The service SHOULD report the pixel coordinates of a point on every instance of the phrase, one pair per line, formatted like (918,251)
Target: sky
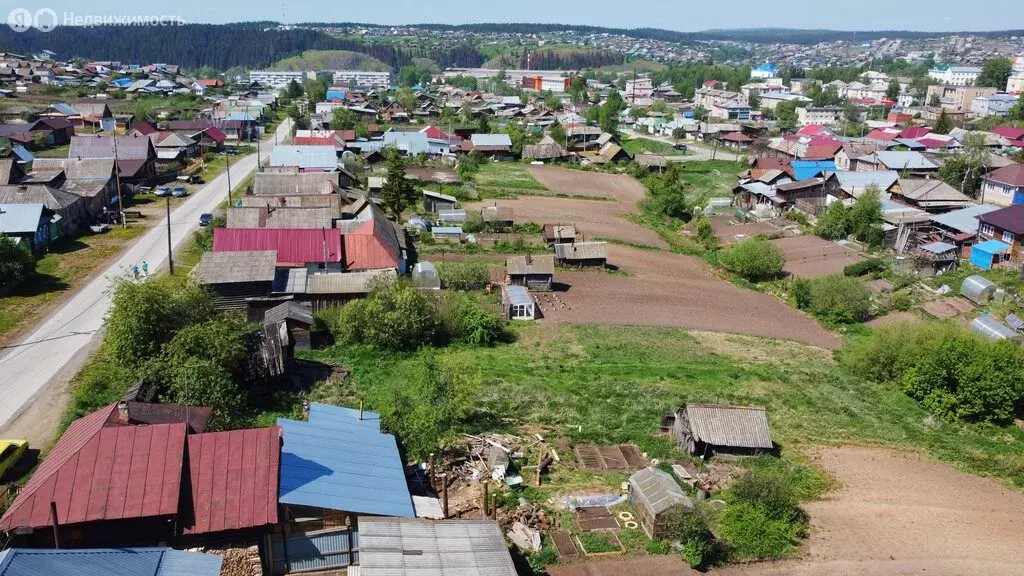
(682,15)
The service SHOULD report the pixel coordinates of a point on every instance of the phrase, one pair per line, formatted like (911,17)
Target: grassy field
(331,60)
(55,152)
(505,179)
(68,265)
(612,384)
(638,145)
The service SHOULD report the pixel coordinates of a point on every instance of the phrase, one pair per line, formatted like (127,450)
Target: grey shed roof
(966,219)
(408,547)
(938,247)
(856,183)
(289,311)
(737,426)
(232,267)
(581,251)
(657,490)
(896,160)
(101,169)
(294,183)
(519,265)
(311,157)
(107,562)
(52,198)
(440,196)
(491,140)
(345,282)
(411,143)
(496,213)
(20,218)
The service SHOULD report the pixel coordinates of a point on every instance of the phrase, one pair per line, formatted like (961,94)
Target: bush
(754,534)
(657,547)
(869,266)
(201,382)
(802,293)
(697,553)
(16,264)
(795,216)
(470,324)
(834,224)
(396,316)
(771,490)
(839,299)
(464,275)
(473,224)
(754,259)
(706,233)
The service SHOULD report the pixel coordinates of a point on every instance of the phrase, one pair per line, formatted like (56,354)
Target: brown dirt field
(900,514)
(649,566)
(893,318)
(663,289)
(813,257)
(594,218)
(598,184)
(729,233)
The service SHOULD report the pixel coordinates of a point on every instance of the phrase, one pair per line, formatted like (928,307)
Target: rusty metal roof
(738,426)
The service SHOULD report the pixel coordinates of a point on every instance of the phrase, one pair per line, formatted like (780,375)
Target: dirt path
(900,514)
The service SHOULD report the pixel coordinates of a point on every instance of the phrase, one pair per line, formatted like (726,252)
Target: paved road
(697,153)
(54,350)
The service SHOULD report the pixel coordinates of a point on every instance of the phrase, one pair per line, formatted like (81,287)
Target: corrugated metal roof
(133,147)
(339,463)
(292,246)
(306,157)
(412,143)
(291,281)
(657,490)
(231,267)
(581,251)
(454,215)
(938,247)
(234,478)
(345,282)
(294,183)
(405,547)
(541,264)
(99,472)
(896,160)
(736,426)
(855,183)
(491,140)
(20,218)
(440,196)
(965,220)
(281,217)
(108,562)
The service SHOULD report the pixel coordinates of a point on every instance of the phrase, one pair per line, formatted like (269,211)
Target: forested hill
(220,46)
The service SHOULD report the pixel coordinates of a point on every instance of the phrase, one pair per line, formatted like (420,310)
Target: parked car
(231,151)
(681,147)
(205,219)
(191,179)
(162,191)
(10,452)
(179,192)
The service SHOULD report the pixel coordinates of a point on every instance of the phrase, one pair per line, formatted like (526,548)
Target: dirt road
(39,365)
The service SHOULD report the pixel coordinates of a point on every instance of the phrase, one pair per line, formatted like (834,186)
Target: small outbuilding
(517,303)
(498,217)
(234,276)
(989,253)
(582,254)
(993,329)
(978,289)
(655,497)
(407,547)
(559,233)
(453,216)
(708,429)
(425,276)
(447,233)
(533,272)
(297,320)
(436,201)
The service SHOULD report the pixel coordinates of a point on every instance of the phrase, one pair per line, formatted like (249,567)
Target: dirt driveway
(663,289)
(813,257)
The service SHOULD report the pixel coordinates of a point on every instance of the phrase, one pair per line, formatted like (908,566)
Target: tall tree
(944,124)
(399,192)
(1016,112)
(994,73)
(407,98)
(343,119)
(893,91)
(964,170)
(785,115)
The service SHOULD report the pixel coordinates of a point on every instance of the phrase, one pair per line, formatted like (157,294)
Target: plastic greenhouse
(978,289)
(425,276)
(993,329)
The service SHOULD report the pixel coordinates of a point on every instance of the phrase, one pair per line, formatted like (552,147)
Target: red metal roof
(1012,175)
(371,246)
(821,152)
(215,134)
(934,142)
(302,246)
(1009,132)
(882,134)
(99,470)
(234,477)
(810,130)
(332,141)
(915,132)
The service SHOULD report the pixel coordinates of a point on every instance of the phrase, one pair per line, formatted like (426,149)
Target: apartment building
(362,79)
(955,75)
(278,78)
(957,98)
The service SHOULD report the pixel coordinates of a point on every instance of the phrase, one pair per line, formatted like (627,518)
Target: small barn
(978,289)
(234,276)
(559,233)
(582,254)
(989,253)
(518,304)
(533,272)
(447,233)
(298,322)
(425,276)
(436,201)
(655,497)
(708,429)
(497,217)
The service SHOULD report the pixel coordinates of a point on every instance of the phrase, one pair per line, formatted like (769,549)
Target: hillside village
(498,322)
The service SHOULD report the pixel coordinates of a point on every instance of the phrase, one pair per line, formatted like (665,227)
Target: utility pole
(120,193)
(170,254)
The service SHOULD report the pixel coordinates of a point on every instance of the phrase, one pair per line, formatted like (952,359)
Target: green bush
(869,266)
(202,382)
(463,275)
(754,259)
(697,553)
(795,216)
(755,535)
(396,316)
(802,292)
(834,224)
(771,490)
(839,299)
(473,224)
(470,324)
(16,264)
(657,547)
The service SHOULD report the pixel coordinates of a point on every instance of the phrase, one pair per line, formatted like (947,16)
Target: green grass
(331,60)
(638,145)
(505,179)
(612,384)
(55,152)
(598,542)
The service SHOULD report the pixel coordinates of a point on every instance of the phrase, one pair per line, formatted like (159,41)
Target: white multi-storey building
(278,78)
(955,75)
(992,104)
(362,79)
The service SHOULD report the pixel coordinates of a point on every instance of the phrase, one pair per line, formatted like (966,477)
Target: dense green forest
(249,45)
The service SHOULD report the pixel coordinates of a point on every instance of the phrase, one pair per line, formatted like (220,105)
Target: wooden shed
(436,201)
(559,233)
(498,217)
(235,276)
(533,272)
(581,254)
(655,497)
(708,429)
(297,319)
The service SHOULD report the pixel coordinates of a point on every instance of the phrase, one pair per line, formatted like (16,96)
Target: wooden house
(497,217)
(436,201)
(533,272)
(559,233)
(234,276)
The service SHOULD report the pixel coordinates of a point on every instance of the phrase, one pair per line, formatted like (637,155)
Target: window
(1006,191)
(1008,237)
(987,229)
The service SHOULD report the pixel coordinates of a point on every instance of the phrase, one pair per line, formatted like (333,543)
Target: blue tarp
(982,255)
(807,169)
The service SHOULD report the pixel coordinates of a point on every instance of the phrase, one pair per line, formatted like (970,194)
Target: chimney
(122,412)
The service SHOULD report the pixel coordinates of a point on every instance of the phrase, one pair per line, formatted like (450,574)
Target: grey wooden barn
(708,429)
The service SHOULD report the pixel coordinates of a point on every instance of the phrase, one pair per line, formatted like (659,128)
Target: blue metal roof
(807,169)
(411,143)
(938,247)
(447,229)
(64,109)
(20,218)
(992,247)
(23,154)
(108,562)
(318,157)
(338,462)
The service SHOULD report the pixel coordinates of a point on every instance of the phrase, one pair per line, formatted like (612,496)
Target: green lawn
(612,384)
(55,152)
(639,145)
(505,179)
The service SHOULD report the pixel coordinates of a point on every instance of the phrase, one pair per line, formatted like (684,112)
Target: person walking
(145,268)
(135,271)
